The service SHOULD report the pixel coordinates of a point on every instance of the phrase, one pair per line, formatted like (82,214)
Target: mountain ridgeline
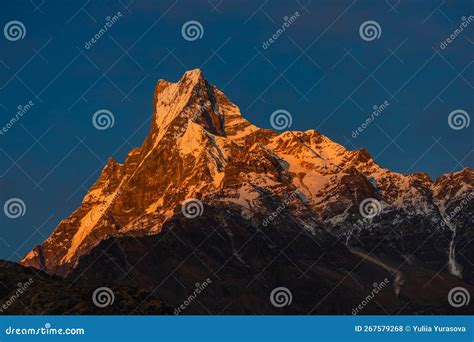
(208,195)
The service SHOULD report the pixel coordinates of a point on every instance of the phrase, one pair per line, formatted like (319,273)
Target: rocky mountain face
(209,195)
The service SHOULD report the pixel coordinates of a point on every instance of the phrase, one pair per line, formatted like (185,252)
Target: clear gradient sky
(319,69)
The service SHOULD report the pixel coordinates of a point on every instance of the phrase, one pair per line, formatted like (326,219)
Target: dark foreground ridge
(26,291)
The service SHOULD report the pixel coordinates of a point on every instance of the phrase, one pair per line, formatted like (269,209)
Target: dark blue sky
(319,69)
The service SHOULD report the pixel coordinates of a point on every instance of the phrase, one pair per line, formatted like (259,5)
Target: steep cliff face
(194,132)
(201,147)
(246,263)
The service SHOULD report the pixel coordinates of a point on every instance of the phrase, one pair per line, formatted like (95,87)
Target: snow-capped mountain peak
(200,146)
